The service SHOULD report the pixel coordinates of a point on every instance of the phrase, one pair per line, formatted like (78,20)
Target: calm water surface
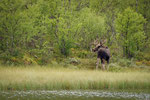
(71,95)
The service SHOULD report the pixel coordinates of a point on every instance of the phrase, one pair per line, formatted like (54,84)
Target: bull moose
(103,54)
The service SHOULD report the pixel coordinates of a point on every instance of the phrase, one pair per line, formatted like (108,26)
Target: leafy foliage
(129,26)
(40,30)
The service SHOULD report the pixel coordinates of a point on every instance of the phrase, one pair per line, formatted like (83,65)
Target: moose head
(103,53)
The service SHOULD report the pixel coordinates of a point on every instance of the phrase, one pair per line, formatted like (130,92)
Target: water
(71,95)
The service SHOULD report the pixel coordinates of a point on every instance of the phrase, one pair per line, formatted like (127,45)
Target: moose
(103,53)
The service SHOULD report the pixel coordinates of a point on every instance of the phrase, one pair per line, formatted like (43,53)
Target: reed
(47,78)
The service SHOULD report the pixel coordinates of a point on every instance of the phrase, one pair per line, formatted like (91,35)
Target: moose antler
(95,42)
(102,42)
(98,44)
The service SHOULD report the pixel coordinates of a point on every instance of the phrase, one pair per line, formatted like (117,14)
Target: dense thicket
(35,31)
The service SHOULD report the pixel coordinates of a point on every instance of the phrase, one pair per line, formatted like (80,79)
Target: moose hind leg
(103,64)
(108,64)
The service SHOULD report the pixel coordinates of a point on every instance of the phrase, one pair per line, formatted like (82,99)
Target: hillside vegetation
(41,32)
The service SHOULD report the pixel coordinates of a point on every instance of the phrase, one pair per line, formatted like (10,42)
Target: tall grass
(33,78)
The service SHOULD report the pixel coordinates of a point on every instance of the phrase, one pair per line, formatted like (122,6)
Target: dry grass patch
(30,78)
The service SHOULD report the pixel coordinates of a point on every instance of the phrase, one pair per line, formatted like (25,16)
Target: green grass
(35,78)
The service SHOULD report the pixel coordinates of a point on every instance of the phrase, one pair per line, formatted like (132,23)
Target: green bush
(125,62)
(64,46)
(82,53)
(143,56)
(114,67)
(73,61)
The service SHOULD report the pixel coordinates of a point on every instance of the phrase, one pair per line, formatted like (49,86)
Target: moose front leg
(97,63)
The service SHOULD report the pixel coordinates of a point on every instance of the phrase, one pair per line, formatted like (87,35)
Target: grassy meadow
(49,78)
